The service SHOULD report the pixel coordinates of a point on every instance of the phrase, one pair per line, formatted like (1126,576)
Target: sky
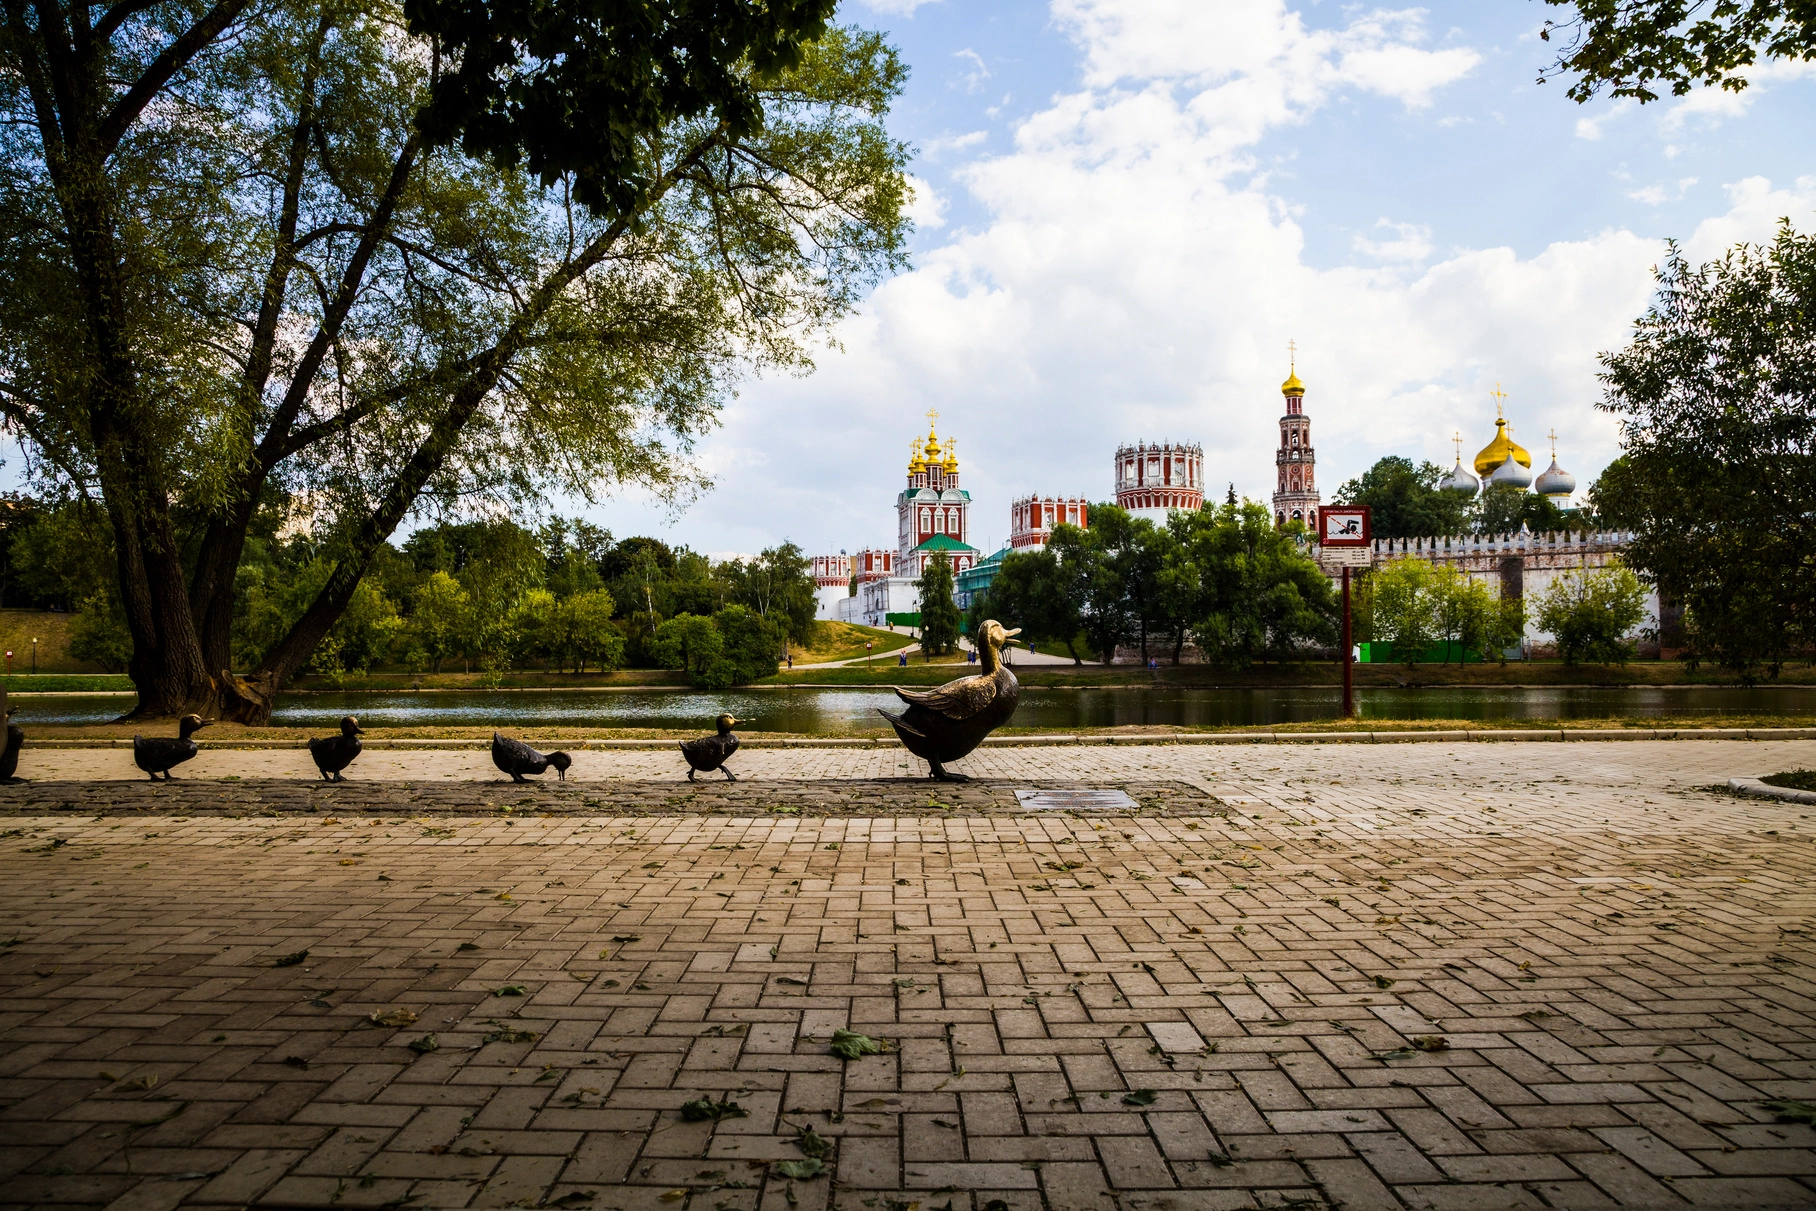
(1126,209)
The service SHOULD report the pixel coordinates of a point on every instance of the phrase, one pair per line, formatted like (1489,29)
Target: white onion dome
(1459,481)
(1510,472)
(1555,482)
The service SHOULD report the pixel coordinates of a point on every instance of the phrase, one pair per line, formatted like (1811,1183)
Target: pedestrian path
(1318,976)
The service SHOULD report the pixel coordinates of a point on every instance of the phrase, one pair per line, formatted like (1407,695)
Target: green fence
(1448,651)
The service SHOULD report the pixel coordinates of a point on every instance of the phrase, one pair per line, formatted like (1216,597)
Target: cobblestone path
(1370,977)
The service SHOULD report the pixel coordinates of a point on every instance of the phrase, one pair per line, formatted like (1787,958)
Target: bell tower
(1296,489)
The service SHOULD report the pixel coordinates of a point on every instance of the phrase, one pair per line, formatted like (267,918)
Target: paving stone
(1611,958)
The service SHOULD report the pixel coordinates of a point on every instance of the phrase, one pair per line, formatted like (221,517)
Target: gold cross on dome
(932,420)
(1456,440)
(1553,436)
(1292,355)
(1499,396)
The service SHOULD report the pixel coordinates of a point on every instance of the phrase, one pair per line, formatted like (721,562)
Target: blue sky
(1128,207)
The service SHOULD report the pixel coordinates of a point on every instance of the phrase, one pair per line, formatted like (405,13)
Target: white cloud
(1260,41)
(1658,195)
(1410,242)
(894,8)
(979,71)
(1754,210)
(925,205)
(934,148)
(1133,276)
(1711,106)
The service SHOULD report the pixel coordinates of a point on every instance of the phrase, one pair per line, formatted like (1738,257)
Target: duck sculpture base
(945,724)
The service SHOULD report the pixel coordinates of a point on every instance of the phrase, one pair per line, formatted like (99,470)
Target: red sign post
(1344,533)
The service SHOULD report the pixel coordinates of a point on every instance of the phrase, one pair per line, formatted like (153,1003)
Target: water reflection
(812,711)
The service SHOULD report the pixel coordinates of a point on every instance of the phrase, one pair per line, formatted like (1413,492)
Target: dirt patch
(280,797)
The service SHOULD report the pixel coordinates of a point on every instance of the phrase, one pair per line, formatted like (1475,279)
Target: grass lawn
(66,683)
(845,641)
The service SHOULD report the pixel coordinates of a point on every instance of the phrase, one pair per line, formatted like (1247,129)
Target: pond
(813,711)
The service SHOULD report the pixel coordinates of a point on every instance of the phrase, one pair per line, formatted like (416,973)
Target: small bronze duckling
(516,758)
(15,740)
(709,753)
(157,754)
(945,724)
(335,753)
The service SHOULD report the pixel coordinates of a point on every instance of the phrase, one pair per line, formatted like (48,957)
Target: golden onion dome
(1496,452)
(951,464)
(915,463)
(1292,385)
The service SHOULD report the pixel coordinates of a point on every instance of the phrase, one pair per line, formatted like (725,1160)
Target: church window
(926,520)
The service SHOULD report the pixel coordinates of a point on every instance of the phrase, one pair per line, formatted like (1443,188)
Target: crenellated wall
(1522,565)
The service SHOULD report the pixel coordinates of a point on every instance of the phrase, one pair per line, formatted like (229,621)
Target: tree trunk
(167,666)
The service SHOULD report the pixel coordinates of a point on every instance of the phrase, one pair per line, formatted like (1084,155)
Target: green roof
(943,542)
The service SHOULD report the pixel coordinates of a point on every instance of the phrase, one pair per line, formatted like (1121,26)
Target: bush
(98,633)
(1591,613)
(751,644)
(690,644)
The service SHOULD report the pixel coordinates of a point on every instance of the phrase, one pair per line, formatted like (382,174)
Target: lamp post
(34,655)
(866,655)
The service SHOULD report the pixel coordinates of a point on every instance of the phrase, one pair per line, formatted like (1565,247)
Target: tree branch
(127,109)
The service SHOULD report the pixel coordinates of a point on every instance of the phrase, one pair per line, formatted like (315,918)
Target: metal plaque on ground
(1087,801)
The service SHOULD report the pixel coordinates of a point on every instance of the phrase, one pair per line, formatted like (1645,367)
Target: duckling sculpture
(709,753)
(335,753)
(15,740)
(945,724)
(157,754)
(516,758)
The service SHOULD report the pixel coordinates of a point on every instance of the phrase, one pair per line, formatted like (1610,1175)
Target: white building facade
(1152,480)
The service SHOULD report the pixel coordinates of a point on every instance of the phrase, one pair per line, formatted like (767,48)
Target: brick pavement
(1423,976)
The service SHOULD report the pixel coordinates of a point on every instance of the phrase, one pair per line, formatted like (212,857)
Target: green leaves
(579,89)
(851,1045)
(1592,611)
(1640,48)
(801,1169)
(702,1110)
(1718,477)
(939,613)
(1141,1097)
(1792,1111)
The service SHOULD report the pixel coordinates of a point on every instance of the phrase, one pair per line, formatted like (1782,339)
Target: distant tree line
(1222,577)
(476,595)
(1405,501)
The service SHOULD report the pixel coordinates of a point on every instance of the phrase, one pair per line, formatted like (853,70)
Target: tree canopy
(1716,397)
(250,258)
(1635,48)
(1404,500)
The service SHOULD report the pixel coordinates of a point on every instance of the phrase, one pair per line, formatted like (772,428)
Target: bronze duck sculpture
(516,758)
(335,753)
(709,753)
(157,754)
(945,724)
(15,740)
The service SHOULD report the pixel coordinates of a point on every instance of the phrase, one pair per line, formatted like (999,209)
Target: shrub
(1591,613)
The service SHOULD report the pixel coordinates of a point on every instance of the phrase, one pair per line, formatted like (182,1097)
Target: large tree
(1716,397)
(364,259)
(1250,591)
(1635,48)
(1404,500)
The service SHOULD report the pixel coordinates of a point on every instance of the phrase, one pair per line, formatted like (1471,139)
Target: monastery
(876,586)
